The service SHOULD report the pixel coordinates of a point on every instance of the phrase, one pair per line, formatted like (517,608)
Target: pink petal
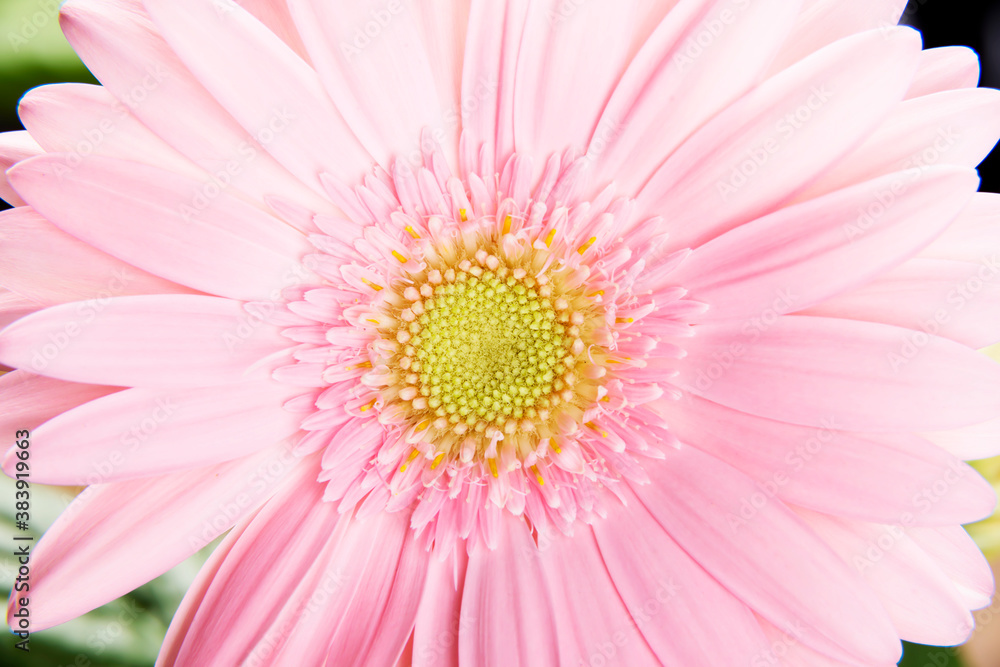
(977,441)
(945,68)
(277,17)
(270,91)
(823,22)
(772,562)
(14,147)
(71,269)
(99,548)
(121,46)
(724,175)
(28,400)
(864,476)
(14,306)
(867,376)
(217,244)
(958,556)
(506,598)
(974,236)
(683,613)
(703,56)
(793,259)
(956,127)
(956,300)
(141,432)
(141,341)
(440,626)
(920,599)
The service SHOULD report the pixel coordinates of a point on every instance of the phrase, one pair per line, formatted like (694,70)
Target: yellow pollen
(402,258)
(412,232)
(555,446)
(538,476)
(437,461)
(594,427)
(463,214)
(586,246)
(413,455)
(375,322)
(493,467)
(366,408)
(599,292)
(424,425)
(506,224)
(363,364)
(624,320)
(551,237)
(377,288)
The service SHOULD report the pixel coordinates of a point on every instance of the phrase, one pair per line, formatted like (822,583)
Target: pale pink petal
(864,476)
(13,307)
(141,432)
(491,49)
(221,245)
(440,626)
(957,300)
(696,62)
(808,370)
(14,147)
(374,65)
(958,556)
(978,441)
(277,17)
(45,264)
(974,236)
(792,259)
(772,142)
(774,563)
(28,400)
(785,650)
(142,341)
(99,548)
(822,22)
(506,600)
(578,580)
(919,598)
(270,91)
(84,120)
(292,527)
(945,68)
(956,127)
(683,613)
(121,46)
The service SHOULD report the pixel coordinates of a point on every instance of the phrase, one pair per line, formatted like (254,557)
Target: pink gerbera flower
(505,333)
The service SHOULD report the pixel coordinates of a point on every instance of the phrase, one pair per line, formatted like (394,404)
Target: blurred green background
(128,631)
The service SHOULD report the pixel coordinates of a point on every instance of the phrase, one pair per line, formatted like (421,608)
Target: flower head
(509,333)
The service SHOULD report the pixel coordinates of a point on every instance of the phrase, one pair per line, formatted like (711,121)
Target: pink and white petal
(823,22)
(957,127)
(702,57)
(99,547)
(571,58)
(772,561)
(277,17)
(48,266)
(958,556)
(507,603)
(578,580)
(156,220)
(142,341)
(488,71)
(383,85)
(143,432)
(978,441)
(924,605)
(785,650)
(724,175)
(956,300)
(369,617)
(13,307)
(809,370)
(85,120)
(28,400)
(181,622)
(685,615)
(945,68)
(14,147)
(792,259)
(974,236)
(266,87)
(440,625)
(869,477)
(228,618)
(125,51)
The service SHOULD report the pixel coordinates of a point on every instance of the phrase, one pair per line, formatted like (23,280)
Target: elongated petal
(958,556)
(867,376)
(439,625)
(14,147)
(772,561)
(28,400)
(219,244)
(945,68)
(141,341)
(99,548)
